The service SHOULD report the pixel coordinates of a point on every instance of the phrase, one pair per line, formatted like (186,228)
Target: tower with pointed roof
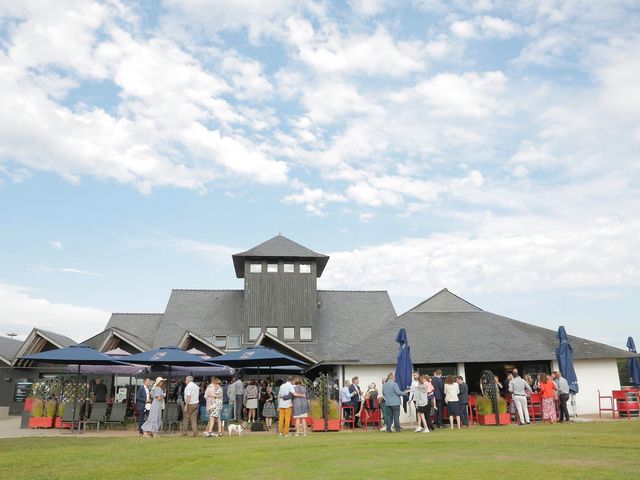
(280,289)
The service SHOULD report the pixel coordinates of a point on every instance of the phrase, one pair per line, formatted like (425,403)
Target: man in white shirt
(285,404)
(231,395)
(412,398)
(191,404)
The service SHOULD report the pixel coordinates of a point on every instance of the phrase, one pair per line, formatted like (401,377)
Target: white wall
(593,375)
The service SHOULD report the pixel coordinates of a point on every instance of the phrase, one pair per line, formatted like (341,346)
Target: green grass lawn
(587,450)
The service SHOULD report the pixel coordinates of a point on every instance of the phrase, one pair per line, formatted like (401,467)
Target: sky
(489,147)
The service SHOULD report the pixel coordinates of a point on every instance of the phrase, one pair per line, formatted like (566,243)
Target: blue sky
(484,146)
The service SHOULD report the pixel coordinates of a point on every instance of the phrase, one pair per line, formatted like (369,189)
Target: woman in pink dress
(547,390)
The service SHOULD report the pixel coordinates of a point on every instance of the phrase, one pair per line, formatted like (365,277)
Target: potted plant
(486,412)
(333,421)
(38,418)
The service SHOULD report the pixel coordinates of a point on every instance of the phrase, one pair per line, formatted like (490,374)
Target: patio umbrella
(404,366)
(257,356)
(564,355)
(168,357)
(634,364)
(78,355)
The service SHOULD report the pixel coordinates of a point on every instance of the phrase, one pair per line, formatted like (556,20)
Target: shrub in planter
(485,405)
(51,408)
(37,408)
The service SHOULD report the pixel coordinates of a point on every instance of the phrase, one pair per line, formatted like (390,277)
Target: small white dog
(235,427)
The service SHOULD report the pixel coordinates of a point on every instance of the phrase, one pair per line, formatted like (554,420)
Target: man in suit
(142,398)
(356,398)
(438,392)
(463,399)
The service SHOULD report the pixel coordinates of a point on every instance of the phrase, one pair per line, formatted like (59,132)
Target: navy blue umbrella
(634,363)
(169,356)
(258,356)
(74,355)
(564,355)
(404,366)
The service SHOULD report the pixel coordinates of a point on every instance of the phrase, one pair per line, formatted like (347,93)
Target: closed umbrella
(564,355)
(404,365)
(634,364)
(78,355)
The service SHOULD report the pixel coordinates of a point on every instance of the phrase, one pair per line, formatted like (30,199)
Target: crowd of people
(236,401)
(263,402)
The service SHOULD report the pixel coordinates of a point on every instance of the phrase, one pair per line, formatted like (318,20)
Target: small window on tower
(288,333)
(220,341)
(256,268)
(254,332)
(272,268)
(305,268)
(288,268)
(272,331)
(306,334)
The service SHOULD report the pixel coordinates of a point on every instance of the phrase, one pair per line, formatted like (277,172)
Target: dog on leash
(235,427)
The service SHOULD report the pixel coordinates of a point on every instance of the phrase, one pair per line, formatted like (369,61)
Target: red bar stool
(604,409)
(350,419)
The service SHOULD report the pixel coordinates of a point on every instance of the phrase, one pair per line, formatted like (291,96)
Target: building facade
(346,333)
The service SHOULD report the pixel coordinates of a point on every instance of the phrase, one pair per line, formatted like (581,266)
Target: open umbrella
(257,356)
(634,364)
(564,355)
(78,355)
(404,365)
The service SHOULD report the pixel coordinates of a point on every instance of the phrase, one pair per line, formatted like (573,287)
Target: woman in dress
(251,400)
(213,396)
(268,407)
(451,392)
(300,407)
(154,421)
(547,390)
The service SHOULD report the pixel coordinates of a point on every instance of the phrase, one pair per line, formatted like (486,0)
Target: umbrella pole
(75,401)
(166,397)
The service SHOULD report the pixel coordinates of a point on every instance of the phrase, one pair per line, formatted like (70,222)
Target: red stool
(351,418)
(371,414)
(601,409)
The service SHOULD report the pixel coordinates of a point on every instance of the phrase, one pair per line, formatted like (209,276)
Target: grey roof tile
(9,347)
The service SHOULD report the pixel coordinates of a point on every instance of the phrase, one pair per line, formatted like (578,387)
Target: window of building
(306,334)
(256,268)
(272,268)
(254,332)
(220,341)
(272,331)
(305,268)
(233,342)
(288,268)
(288,333)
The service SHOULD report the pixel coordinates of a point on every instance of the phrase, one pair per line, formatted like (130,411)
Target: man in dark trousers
(463,399)
(100,391)
(142,399)
(356,398)
(438,392)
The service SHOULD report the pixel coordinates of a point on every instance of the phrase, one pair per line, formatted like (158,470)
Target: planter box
(28,404)
(317,425)
(41,422)
(505,419)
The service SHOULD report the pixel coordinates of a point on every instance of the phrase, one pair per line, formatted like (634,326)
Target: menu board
(22,391)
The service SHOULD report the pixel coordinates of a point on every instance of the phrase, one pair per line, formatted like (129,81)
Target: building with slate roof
(347,333)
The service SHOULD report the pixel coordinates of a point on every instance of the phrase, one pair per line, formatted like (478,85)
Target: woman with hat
(154,421)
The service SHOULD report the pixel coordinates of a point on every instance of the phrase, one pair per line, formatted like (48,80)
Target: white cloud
(314,199)
(80,272)
(247,78)
(56,244)
(485,27)
(21,310)
(508,254)
(377,54)
(470,94)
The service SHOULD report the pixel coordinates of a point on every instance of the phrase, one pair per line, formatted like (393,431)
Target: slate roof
(204,312)
(438,333)
(8,348)
(141,325)
(279,247)
(61,340)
